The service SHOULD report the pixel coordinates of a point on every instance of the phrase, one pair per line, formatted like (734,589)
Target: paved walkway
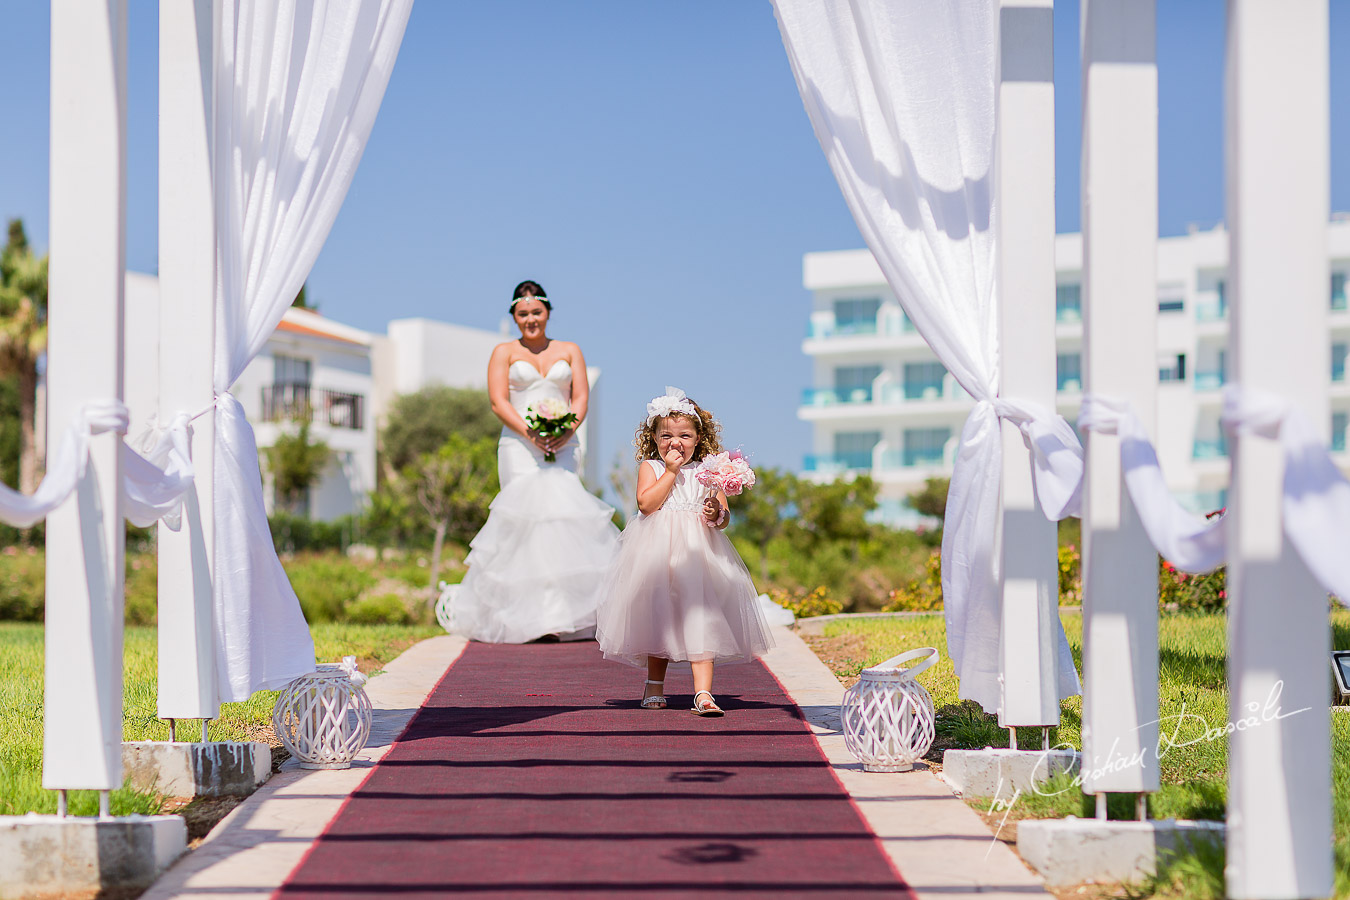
(939,846)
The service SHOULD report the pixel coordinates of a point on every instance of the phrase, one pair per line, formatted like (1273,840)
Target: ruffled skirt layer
(537,565)
(678,590)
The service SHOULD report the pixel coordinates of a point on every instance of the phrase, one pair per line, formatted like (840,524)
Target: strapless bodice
(528,386)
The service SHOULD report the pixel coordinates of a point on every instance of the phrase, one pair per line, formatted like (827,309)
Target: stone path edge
(939,845)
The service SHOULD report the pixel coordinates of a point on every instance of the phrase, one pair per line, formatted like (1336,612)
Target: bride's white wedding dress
(536,566)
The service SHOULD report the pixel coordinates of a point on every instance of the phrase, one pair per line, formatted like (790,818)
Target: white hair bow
(672,401)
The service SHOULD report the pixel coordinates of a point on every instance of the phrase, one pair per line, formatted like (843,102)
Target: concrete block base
(1072,851)
(213,769)
(43,856)
(1001,773)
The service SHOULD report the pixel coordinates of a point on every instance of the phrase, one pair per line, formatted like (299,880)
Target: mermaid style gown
(536,566)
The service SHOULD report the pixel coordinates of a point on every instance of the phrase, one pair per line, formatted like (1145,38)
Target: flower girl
(677,589)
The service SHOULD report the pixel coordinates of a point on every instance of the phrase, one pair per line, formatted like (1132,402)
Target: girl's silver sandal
(655,701)
(706,709)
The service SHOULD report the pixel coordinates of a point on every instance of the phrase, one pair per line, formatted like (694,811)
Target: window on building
(1172,367)
(1339,421)
(1069,372)
(290,370)
(1338,290)
(926,446)
(856,316)
(1069,302)
(1171,298)
(1338,361)
(923,381)
(288,397)
(853,384)
(853,449)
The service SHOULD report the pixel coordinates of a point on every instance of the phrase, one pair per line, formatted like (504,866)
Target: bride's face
(531,317)
(678,432)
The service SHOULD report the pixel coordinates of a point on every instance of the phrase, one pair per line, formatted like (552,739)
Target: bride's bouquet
(550,417)
(727,472)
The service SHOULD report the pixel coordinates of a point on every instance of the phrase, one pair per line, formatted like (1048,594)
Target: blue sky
(649,163)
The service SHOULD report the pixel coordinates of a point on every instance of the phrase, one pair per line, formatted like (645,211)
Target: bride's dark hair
(530,289)
(709,435)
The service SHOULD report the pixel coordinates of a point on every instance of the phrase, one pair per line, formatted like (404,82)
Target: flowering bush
(1191,593)
(1070,576)
(923,595)
(805,605)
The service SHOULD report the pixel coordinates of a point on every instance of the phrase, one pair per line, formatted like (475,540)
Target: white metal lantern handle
(893,666)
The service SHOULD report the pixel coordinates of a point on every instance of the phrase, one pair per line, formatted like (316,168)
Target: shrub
(923,595)
(1070,575)
(1191,593)
(382,609)
(326,585)
(142,589)
(297,534)
(23,577)
(805,605)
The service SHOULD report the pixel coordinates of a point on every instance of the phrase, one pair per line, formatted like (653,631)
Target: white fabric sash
(155,484)
(66,467)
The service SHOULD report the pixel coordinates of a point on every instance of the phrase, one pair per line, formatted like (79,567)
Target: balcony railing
(305,403)
(835,396)
(884,324)
(1216,448)
(838,462)
(1211,311)
(1209,381)
(911,458)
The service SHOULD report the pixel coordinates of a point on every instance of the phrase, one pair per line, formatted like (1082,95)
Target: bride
(535,567)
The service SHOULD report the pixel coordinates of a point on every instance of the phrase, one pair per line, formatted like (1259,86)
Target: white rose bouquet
(550,417)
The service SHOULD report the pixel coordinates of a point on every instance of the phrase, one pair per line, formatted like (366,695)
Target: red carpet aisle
(531,772)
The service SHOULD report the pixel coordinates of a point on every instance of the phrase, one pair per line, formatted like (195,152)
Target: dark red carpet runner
(531,772)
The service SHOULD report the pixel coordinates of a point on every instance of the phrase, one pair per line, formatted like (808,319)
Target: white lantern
(888,716)
(443,604)
(323,718)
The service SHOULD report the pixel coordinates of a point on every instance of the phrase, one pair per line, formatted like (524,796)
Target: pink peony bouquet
(727,472)
(550,417)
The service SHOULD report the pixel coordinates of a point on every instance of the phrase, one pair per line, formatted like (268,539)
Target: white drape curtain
(902,96)
(65,467)
(298,86)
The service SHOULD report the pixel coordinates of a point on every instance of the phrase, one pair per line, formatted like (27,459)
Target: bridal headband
(673,401)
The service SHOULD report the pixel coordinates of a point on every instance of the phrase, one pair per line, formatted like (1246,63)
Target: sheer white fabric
(298,84)
(1190,542)
(902,98)
(65,467)
(155,484)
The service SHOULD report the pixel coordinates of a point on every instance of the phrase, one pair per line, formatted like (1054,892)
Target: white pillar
(1120,232)
(1025,204)
(82,730)
(187,284)
(1278,199)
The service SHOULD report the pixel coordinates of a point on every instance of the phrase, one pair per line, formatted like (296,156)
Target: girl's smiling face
(676,432)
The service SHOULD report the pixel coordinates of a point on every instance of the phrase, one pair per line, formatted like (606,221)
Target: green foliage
(421,423)
(23,575)
(456,484)
(326,585)
(1192,593)
(923,594)
(932,500)
(1194,873)
(832,512)
(295,534)
(805,604)
(382,609)
(1070,566)
(142,588)
(10,433)
(761,513)
(295,462)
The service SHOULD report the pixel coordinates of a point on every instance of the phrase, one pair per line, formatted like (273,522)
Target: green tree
(454,486)
(23,337)
(834,511)
(422,422)
(301,300)
(932,500)
(295,462)
(763,512)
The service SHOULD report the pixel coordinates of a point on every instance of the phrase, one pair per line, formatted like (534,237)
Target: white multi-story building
(882,404)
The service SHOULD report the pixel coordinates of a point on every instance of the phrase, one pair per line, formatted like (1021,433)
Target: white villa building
(882,404)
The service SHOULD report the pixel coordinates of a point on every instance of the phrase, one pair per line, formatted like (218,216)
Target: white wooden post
(187,284)
(1120,312)
(1278,199)
(82,724)
(1025,161)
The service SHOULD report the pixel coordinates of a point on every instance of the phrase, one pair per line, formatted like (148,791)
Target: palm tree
(23,337)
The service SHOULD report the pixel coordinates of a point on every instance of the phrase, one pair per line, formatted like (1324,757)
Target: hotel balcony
(304,403)
(1208,380)
(1209,448)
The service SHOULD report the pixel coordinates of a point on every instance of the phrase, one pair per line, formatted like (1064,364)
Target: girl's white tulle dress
(537,565)
(678,589)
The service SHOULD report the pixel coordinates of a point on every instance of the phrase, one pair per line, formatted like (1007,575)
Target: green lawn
(21,654)
(1192,660)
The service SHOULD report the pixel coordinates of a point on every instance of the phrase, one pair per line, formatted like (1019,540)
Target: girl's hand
(712,510)
(673,459)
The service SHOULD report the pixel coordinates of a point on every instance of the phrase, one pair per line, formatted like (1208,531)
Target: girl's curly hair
(709,435)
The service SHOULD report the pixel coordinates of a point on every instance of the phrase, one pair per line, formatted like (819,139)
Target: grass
(21,661)
(1192,658)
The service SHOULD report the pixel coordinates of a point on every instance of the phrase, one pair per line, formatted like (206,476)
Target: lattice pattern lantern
(443,604)
(323,718)
(888,716)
